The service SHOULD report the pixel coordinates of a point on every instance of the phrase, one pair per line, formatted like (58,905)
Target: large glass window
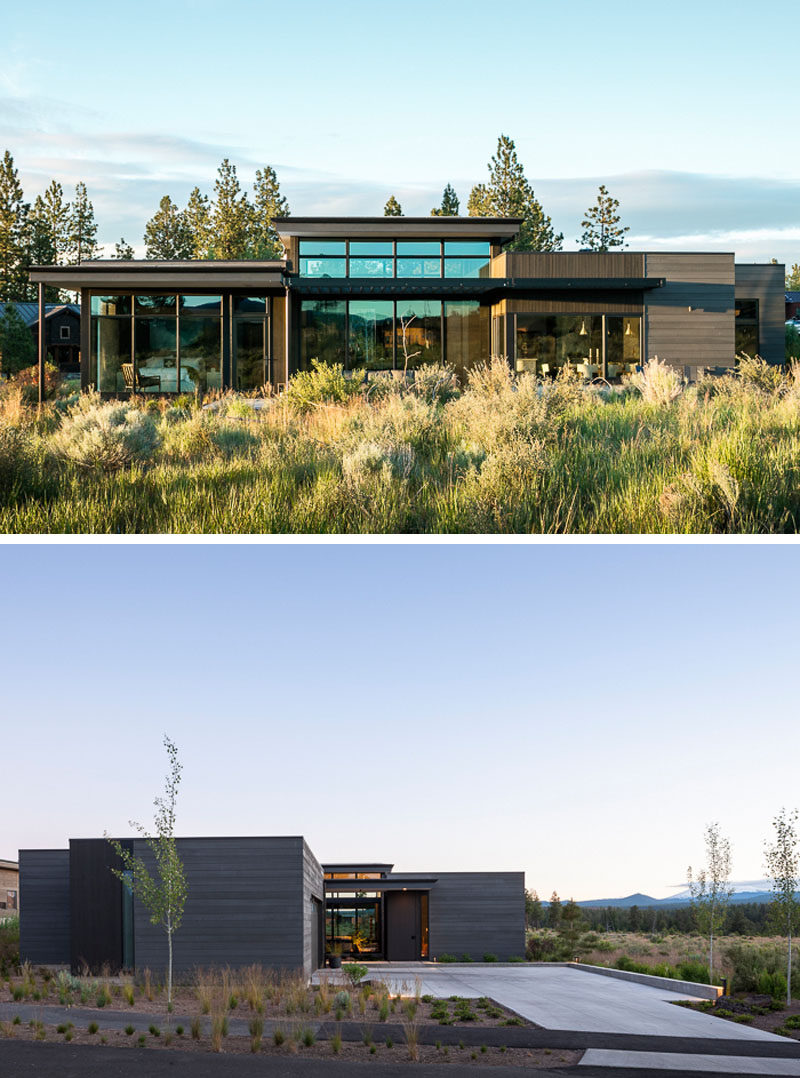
(419,332)
(419,267)
(370,335)
(249,339)
(322,331)
(111,350)
(747,328)
(548,342)
(323,247)
(623,344)
(322,267)
(155,354)
(371,267)
(354,926)
(466,328)
(466,258)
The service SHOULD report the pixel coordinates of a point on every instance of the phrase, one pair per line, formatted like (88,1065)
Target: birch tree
(164,894)
(783,867)
(711,891)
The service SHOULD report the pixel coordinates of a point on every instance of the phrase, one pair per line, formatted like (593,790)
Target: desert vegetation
(332,454)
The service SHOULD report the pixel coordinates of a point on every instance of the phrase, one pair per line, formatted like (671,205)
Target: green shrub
(130,1030)
(354,972)
(105,436)
(772,984)
(489,957)
(92,1027)
(445,957)
(748,961)
(324,384)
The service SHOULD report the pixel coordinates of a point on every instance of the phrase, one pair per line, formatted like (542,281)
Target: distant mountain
(747,891)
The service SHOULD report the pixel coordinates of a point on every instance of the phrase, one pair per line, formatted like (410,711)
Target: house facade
(9,889)
(261,900)
(389,293)
(62,332)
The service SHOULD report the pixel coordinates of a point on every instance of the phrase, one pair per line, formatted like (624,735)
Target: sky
(578,712)
(680,109)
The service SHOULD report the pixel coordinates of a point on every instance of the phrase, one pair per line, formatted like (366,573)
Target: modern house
(382,293)
(62,331)
(9,889)
(261,900)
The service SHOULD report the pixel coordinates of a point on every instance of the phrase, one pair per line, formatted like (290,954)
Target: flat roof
(501,229)
(205,274)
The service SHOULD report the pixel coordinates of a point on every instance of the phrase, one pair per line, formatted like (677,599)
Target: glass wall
(354,925)
(548,342)
(747,330)
(323,334)
(419,332)
(370,335)
(466,336)
(156,343)
(251,341)
(394,258)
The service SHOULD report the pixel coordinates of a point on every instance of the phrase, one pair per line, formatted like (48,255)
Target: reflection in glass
(370,248)
(547,342)
(322,267)
(201,352)
(466,332)
(465,267)
(371,267)
(623,344)
(747,341)
(111,305)
(250,303)
(111,347)
(249,344)
(322,247)
(419,247)
(370,337)
(746,309)
(467,247)
(419,267)
(162,303)
(155,356)
(200,303)
(355,926)
(322,331)
(419,332)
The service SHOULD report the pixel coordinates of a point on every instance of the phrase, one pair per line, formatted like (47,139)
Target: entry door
(403,926)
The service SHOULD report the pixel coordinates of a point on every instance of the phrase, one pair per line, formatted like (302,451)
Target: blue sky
(679,109)
(579,712)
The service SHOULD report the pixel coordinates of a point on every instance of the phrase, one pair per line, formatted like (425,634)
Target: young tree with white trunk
(783,866)
(711,890)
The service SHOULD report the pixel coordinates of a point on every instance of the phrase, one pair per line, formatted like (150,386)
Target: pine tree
(554,911)
(167,236)
(601,224)
(13,225)
(231,216)
(123,250)
(509,194)
(392,208)
(17,349)
(793,279)
(268,203)
(81,229)
(57,212)
(40,250)
(198,220)
(450,204)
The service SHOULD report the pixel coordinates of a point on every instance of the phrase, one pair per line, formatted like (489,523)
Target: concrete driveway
(558,997)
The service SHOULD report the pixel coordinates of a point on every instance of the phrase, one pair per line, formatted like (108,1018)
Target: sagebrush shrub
(105,436)
(325,383)
(657,382)
(756,372)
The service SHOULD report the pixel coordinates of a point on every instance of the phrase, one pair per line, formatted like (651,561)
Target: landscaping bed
(753,1009)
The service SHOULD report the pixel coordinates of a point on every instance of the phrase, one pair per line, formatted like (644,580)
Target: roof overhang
(205,276)
(392,883)
(499,229)
(486,288)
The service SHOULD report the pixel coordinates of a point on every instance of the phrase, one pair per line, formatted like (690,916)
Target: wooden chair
(132,383)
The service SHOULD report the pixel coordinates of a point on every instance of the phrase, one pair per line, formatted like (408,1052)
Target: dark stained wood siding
(477,912)
(598,305)
(704,335)
(95,902)
(313,911)
(766,284)
(244,905)
(44,907)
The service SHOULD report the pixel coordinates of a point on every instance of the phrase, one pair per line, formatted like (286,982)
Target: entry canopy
(494,229)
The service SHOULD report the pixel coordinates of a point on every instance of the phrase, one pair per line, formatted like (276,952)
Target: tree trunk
(169,968)
(789,973)
(711,958)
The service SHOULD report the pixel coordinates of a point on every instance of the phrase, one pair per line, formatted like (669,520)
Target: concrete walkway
(557,997)
(674,1061)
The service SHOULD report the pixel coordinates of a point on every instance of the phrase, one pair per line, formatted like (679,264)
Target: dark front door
(402,926)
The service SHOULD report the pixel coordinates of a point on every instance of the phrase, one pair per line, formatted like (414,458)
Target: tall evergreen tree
(231,216)
(268,203)
(509,194)
(554,911)
(793,279)
(123,250)
(40,250)
(601,224)
(17,349)
(167,236)
(13,227)
(392,208)
(57,212)
(450,204)
(198,220)
(81,229)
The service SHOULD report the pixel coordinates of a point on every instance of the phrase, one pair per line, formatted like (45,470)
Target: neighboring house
(792,306)
(63,332)
(9,889)
(381,293)
(263,900)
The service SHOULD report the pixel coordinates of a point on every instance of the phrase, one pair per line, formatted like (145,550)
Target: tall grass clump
(658,382)
(105,436)
(323,384)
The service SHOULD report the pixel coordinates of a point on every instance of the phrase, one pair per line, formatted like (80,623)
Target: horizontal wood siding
(44,907)
(244,905)
(313,893)
(598,305)
(477,912)
(562,264)
(704,335)
(766,284)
